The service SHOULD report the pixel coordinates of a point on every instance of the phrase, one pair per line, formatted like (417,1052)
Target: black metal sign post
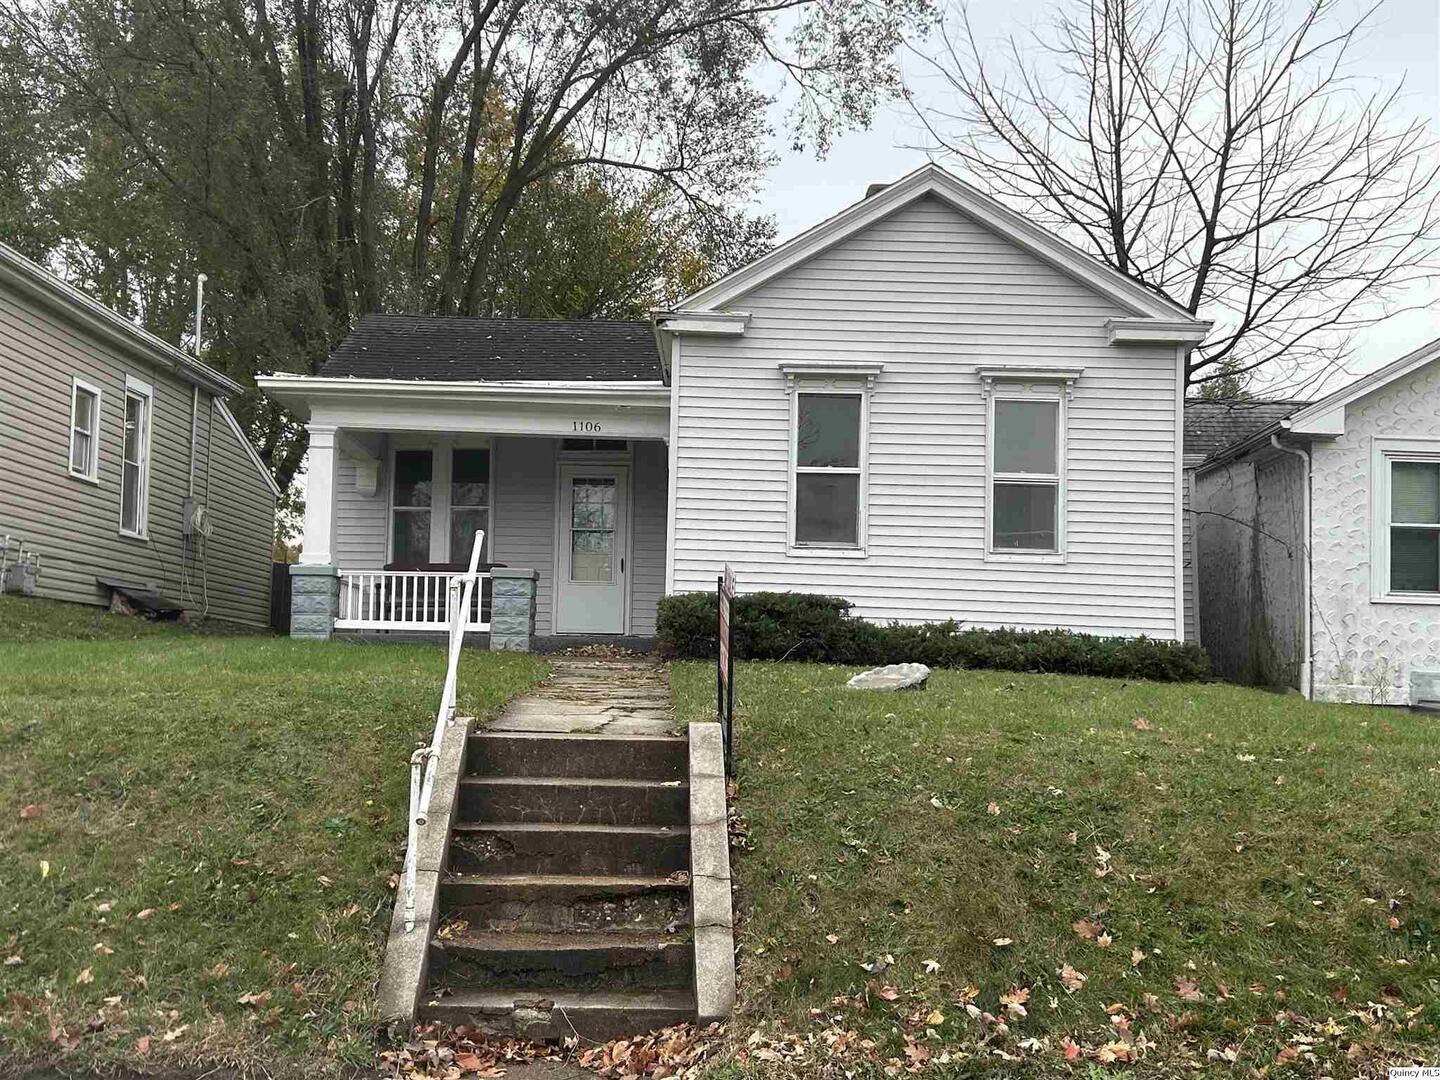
(725,669)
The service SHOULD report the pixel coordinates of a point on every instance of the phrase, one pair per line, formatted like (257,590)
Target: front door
(590,579)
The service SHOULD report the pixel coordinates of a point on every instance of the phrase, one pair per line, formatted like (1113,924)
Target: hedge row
(800,626)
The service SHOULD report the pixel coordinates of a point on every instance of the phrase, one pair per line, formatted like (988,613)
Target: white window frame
(1383,454)
(1053,388)
(138,388)
(837,386)
(91,473)
(442,467)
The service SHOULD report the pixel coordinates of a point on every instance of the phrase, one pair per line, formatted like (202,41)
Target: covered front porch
(567,483)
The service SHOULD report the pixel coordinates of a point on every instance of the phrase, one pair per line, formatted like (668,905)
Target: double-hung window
(410,517)
(1026,473)
(827,480)
(1408,532)
(439,500)
(135,458)
(469,500)
(84,430)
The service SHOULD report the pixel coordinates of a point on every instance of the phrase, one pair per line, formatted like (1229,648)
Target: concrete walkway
(595,695)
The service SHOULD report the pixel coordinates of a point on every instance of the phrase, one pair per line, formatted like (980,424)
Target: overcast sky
(800,191)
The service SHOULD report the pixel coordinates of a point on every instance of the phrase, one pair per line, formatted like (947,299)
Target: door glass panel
(828,431)
(1024,517)
(827,508)
(1415,560)
(592,529)
(1025,433)
(414,470)
(1415,492)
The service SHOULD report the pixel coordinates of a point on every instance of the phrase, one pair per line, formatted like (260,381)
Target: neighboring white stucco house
(925,404)
(1318,542)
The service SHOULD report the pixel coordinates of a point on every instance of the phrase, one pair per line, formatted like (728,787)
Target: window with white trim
(135,458)
(1412,526)
(84,430)
(1026,462)
(827,465)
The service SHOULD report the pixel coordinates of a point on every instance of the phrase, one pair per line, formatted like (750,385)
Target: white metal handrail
(423,760)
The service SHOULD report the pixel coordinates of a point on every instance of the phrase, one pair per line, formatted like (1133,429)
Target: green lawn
(1220,866)
(197,833)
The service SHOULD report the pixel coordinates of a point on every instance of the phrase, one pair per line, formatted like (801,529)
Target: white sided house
(1318,542)
(924,404)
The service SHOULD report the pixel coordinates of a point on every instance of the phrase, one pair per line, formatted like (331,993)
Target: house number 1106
(587,425)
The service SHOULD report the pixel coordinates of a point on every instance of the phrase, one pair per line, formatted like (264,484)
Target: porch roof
(453,349)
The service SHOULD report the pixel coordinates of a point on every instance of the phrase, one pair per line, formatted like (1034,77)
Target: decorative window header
(868,370)
(1029,373)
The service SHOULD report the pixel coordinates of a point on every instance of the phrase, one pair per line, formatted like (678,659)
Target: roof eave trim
(112,325)
(1254,441)
(1156,331)
(704,323)
(931,179)
(1321,419)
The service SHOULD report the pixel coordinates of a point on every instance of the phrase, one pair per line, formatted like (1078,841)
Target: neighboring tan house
(1318,541)
(120,465)
(925,404)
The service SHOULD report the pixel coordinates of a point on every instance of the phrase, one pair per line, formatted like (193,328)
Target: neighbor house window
(135,458)
(827,474)
(1413,529)
(1026,452)
(84,430)
(410,521)
(469,501)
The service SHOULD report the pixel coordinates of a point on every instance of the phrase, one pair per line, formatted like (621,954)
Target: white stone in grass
(891,677)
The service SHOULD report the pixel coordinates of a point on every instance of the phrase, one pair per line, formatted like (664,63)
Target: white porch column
(319,544)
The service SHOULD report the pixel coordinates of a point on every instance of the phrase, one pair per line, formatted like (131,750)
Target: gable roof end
(1327,416)
(1171,322)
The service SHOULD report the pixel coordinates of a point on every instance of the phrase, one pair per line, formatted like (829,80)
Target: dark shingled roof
(445,349)
(1211,426)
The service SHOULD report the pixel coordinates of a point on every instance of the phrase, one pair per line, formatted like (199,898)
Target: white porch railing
(462,590)
(407,600)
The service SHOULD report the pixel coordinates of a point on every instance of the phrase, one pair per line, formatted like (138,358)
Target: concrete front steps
(566,908)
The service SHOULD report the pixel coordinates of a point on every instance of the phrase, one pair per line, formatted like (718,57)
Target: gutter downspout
(1306,661)
(195,387)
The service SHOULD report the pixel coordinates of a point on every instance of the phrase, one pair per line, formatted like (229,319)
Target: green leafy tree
(332,157)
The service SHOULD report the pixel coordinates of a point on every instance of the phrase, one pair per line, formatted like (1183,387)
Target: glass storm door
(591,527)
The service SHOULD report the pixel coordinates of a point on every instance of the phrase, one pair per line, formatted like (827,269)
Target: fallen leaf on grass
(1137,955)
(1286,1055)
(1002,941)
(1112,1052)
(1104,941)
(33,810)
(1071,979)
(12,961)
(85,977)
(993,809)
(44,869)
(931,966)
(175,1033)
(1088,929)
(889,993)
(103,949)
(1018,996)
(145,914)
(1071,1048)
(258,999)
(1188,989)
(1141,724)
(142,1045)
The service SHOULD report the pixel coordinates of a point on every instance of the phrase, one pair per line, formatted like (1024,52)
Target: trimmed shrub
(800,626)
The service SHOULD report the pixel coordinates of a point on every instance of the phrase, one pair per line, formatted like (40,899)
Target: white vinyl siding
(933,297)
